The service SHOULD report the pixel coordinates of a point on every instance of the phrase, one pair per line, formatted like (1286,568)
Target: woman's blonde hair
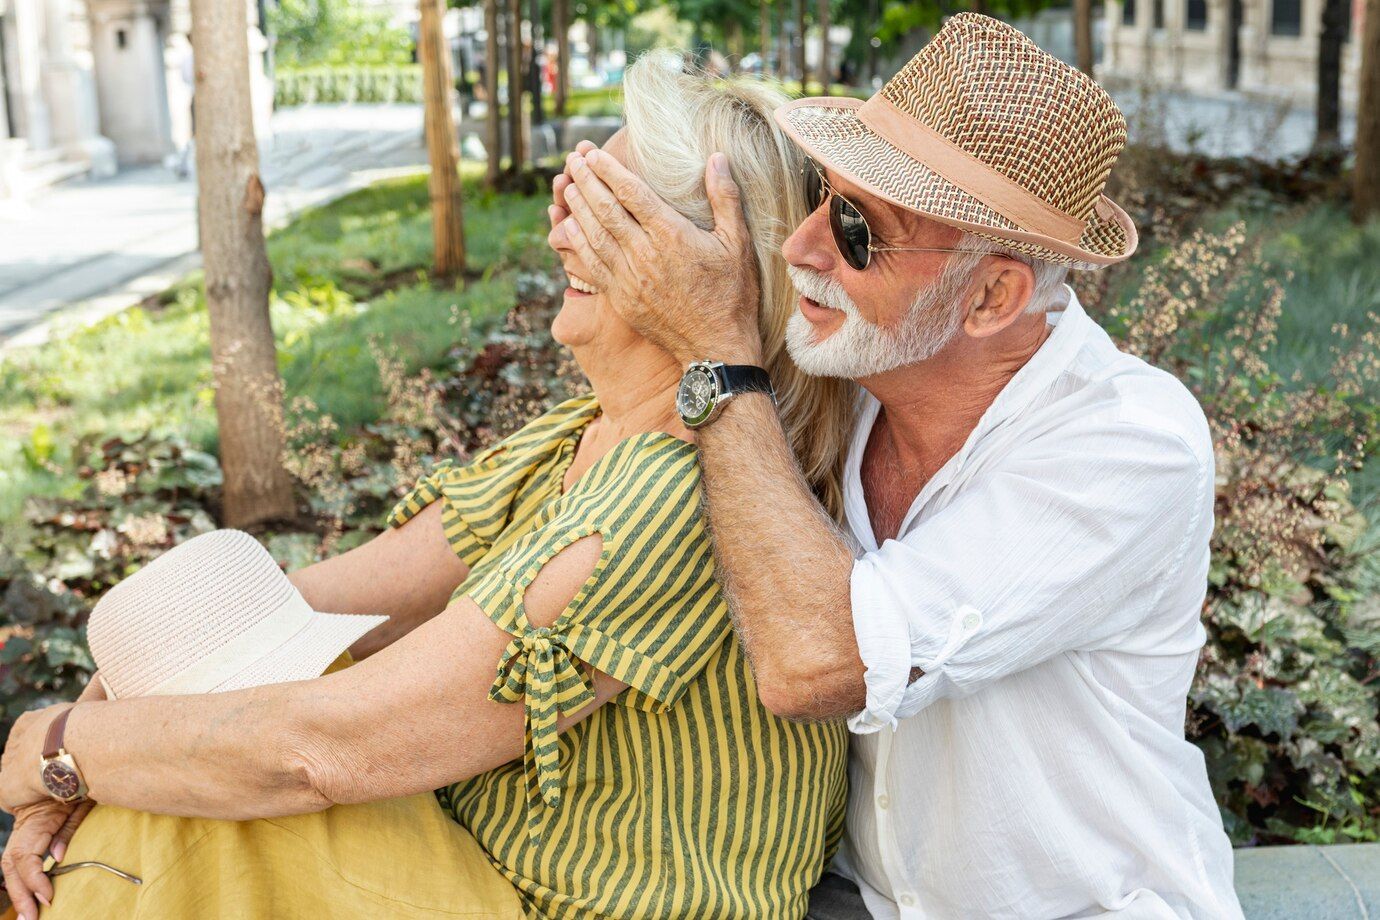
(676,119)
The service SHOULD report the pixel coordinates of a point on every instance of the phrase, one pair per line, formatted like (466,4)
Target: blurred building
(90,86)
(1263,47)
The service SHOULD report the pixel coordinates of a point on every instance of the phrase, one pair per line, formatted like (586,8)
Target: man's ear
(1003,291)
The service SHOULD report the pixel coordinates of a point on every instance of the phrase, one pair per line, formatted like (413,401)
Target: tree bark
(493,131)
(764,35)
(1366,196)
(244,364)
(1082,35)
(447,231)
(560,22)
(825,75)
(533,67)
(515,141)
(1327,131)
(800,67)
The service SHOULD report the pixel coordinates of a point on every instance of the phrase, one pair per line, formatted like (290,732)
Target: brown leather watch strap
(52,744)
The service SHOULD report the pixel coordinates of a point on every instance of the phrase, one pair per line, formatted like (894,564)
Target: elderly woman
(621,764)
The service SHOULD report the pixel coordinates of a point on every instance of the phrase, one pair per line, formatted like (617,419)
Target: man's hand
(20,778)
(40,829)
(692,291)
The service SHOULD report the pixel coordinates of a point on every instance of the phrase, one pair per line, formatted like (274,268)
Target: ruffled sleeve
(479,496)
(650,614)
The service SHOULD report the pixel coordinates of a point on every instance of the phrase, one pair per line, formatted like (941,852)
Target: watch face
(695,399)
(60,780)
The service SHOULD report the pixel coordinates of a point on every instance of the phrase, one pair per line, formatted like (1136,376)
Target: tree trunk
(493,131)
(560,22)
(1082,35)
(244,364)
(593,31)
(448,235)
(533,62)
(825,75)
(800,67)
(874,16)
(764,35)
(735,43)
(515,145)
(1366,196)
(1329,107)
(783,46)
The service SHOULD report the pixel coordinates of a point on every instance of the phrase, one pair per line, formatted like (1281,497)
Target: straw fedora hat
(987,133)
(213,614)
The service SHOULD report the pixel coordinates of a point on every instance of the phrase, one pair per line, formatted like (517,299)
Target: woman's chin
(574,324)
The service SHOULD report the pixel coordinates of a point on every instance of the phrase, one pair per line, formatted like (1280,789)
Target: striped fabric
(681,798)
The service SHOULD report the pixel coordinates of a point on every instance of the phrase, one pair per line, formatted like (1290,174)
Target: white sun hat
(213,614)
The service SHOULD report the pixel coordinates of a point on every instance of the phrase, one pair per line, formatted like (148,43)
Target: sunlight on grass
(349,273)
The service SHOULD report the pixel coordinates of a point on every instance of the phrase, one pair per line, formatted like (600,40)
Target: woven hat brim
(830,131)
(307,654)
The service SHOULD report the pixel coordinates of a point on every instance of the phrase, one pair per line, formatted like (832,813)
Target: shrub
(337,84)
(1286,697)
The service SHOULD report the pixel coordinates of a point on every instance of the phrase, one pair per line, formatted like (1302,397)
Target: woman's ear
(1003,293)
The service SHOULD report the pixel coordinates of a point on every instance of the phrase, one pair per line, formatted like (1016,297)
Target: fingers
(607,250)
(558,187)
(632,193)
(584,147)
(602,204)
(602,276)
(726,202)
(17,885)
(69,827)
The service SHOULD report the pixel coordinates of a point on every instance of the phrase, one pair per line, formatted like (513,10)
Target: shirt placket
(883,808)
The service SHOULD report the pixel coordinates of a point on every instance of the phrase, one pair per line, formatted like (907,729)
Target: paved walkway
(89,248)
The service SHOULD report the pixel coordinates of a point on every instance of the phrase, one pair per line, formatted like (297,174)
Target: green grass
(349,273)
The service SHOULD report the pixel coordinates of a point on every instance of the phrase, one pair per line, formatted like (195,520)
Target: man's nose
(812,245)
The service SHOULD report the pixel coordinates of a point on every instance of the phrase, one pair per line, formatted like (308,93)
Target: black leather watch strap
(747,378)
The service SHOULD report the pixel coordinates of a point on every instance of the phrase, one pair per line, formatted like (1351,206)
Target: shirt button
(970,622)
(907,900)
(883,801)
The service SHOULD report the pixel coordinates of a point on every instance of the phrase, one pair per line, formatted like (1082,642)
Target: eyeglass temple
(978,252)
(92,864)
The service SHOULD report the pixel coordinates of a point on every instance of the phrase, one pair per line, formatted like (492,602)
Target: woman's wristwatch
(708,385)
(61,778)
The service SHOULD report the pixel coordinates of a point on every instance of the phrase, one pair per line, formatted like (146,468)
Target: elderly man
(1010,614)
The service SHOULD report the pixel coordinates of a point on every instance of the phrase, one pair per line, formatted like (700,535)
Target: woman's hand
(40,829)
(21,781)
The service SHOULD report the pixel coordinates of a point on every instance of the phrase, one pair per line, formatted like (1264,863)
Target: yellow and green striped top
(681,798)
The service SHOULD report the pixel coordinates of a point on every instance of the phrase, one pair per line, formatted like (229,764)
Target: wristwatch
(708,385)
(61,778)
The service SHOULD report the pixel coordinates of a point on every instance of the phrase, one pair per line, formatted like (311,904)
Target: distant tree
(516,146)
(1366,191)
(238,276)
(316,32)
(560,24)
(1082,35)
(1329,106)
(493,117)
(764,35)
(447,231)
(822,19)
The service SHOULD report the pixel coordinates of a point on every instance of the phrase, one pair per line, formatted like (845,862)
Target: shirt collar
(1071,327)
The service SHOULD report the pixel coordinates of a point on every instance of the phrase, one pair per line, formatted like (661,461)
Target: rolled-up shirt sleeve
(1060,547)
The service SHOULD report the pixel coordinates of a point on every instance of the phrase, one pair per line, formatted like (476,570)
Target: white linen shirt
(1049,581)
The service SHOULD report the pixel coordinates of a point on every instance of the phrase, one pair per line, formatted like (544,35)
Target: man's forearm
(784,564)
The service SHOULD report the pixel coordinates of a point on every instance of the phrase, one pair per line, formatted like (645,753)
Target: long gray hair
(676,119)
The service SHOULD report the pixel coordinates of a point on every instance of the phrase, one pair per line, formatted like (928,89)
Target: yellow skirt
(400,858)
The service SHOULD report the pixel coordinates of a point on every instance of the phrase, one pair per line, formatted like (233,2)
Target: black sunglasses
(852,235)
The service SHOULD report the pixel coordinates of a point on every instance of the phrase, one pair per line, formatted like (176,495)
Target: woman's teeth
(582,286)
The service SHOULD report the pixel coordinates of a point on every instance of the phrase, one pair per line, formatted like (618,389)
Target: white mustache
(821,289)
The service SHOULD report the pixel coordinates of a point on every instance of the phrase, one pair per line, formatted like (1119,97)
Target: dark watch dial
(60,780)
(695,398)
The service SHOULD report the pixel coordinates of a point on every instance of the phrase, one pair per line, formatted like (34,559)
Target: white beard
(863,349)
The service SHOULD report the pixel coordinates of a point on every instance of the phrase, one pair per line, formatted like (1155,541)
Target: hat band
(927,146)
(270,633)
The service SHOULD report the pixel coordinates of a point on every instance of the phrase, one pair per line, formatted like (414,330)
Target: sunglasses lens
(815,189)
(851,233)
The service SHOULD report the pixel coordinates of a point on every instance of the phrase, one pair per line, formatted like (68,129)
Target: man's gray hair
(1049,292)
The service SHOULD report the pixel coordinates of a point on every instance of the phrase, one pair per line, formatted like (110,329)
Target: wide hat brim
(830,130)
(307,654)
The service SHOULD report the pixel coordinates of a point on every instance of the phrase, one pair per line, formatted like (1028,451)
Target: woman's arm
(412,717)
(406,572)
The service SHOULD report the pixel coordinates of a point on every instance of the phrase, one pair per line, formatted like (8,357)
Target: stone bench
(1309,883)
